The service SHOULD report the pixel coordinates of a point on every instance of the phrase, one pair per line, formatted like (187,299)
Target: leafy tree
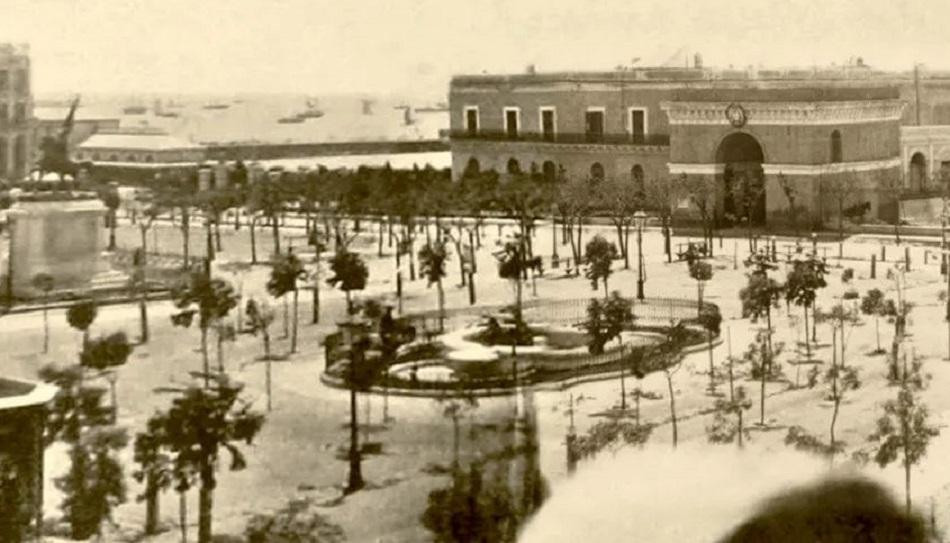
(659,196)
(599,254)
(525,198)
(873,304)
(606,320)
(904,431)
(260,316)
(724,430)
(702,195)
(471,509)
(432,259)
(93,484)
(267,198)
(621,203)
(286,271)
(349,273)
(574,203)
(15,516)
(81,315)
(199,424)
(44,283)
(209,299)
(760,356)
(669,353)
(801,287)
(105,354)
(513,264)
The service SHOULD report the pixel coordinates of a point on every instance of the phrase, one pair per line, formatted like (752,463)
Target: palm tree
(286,271)
(81,315)
(432,259)
(209,299)
(349,272)
(155,470)
(43,282)
(199,424)
(513,264)
(261,316)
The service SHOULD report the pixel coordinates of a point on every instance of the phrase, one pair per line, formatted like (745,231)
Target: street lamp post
(555,260)
(640,219)
(814,243)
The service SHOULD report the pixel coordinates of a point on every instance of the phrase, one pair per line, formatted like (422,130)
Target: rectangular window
(638,123)
(4,80)
(594,124)
(471,120)
(19,115)
(23,82)
(512,123)
(548,123)
(4,115)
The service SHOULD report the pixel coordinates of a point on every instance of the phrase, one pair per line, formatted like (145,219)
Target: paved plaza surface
(295,453)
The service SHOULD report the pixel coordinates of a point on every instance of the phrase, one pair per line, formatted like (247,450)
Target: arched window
(513,166)
(549,170)
(95,156)
(636,175)
(596,172)
(471,168)
(148,158)
(113,158)
(836,147)
(130,158)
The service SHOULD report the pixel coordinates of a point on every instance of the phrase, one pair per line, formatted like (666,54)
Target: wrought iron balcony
(563,137)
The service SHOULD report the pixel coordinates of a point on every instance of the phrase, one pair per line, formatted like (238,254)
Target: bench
(683,250)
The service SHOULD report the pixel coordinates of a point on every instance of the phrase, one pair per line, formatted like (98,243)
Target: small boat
(134,110)
(160,111)
(313,111)
(296,119)
(217,106)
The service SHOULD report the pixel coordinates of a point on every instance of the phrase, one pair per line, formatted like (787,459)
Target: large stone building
(794,133)
(16,112)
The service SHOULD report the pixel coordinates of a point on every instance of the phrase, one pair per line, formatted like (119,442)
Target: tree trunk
(667,241)
(739,414)
(112,221)
(204,355)
(669,383)
(296,321)
(253,241)
(205,502)
(217,233)
(45,324)
(143,313)
(906,481)
(275,231)
(807,341)
(152,510)
(355,479)
(286,318)
(183,515)
(441,306)
(267,362)
(185,235)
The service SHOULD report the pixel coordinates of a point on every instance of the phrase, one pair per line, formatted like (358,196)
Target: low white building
(139,148)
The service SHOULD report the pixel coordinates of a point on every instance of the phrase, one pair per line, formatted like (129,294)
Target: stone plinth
(61,238)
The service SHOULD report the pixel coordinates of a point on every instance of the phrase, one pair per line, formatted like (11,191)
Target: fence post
(873,266)
(907,257)
(883,253)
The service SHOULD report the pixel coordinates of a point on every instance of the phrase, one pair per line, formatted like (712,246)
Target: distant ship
(161,112)
(295,119)
(438,108)
(313,111)
(217,105)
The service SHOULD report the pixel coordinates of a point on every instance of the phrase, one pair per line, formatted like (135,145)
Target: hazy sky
(314,46)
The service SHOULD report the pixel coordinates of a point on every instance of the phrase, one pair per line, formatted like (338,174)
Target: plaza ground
(295,453)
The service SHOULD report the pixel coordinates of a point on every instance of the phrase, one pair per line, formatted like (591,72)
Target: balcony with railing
(563,137)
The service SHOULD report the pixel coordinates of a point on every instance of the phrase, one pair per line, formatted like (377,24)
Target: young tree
(761,293)
(260,316)
(105,355)
(873,304)
(110,197)
(199,424)
(210,300)
(621,203)
(599,254)
(841,190)
(513,264)
(701,272)
(724,430)
(671,357)
(286,271)
(349,273)
(702,195)
(660,194)
(432,259)
(801,287)
(43,282)
(904,430)
(81,315)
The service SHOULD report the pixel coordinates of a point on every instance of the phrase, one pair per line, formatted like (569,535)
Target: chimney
(698,61)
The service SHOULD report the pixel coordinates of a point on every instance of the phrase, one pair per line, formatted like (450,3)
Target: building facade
(16,112)
(799,135)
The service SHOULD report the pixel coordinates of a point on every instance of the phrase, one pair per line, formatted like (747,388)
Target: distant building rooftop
(138,140)
(58,114)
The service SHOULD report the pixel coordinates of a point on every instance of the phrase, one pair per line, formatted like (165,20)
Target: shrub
(297,523)
(851,294)
(847,275)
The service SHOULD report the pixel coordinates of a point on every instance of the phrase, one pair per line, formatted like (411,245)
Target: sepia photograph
(474,271)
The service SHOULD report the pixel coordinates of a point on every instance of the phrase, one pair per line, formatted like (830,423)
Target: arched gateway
(742,180)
